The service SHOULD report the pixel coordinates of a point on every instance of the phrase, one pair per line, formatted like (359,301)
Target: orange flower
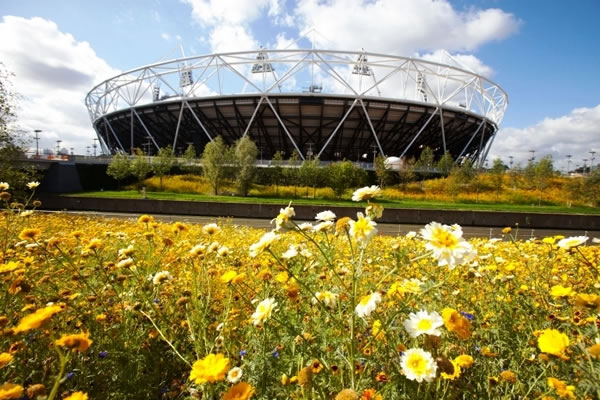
(29,234)
(241,391)
(456,323)
(78,341)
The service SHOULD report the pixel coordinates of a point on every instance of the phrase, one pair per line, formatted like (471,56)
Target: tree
(245,153)
(445,164)
(162,163)
(425,161)
(291,172)
(497,173)
(12,143)
(309,174)
(406,173)
(343,175)
(119,167)
(189,158)
(215,158)
(140,167)
(543,171)
(382,171)
(277,171)
(591,188)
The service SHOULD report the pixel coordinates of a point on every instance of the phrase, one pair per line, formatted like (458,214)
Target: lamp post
(592,161)
(58,142)
(569,163)
(37,143)
(584,164)
(95,145)
(511,161)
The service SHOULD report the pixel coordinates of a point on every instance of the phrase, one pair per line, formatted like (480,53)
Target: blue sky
(543,53)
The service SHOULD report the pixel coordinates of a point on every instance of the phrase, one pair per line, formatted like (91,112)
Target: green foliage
(162,163)
(591,188)
(12,142)
(276,170)
(445,163)
(291,172)
(140,167)
(119,167)
(310,174)
(383,174)
(189,160)
(543,171)
(215,158)
(497,171)
(343,175)
(245,152)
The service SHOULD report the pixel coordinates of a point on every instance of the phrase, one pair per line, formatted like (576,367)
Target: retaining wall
(303,212)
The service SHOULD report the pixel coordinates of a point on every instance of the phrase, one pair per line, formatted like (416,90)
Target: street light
(58,142)
(511,161)
(94,145)
(569,163)
(37,142)
(592,161)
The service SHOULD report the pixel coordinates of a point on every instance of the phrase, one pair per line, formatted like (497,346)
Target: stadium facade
(320,103)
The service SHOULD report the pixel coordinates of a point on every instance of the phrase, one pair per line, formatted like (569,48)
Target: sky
(543,53)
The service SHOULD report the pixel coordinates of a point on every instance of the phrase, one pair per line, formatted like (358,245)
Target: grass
(412,204)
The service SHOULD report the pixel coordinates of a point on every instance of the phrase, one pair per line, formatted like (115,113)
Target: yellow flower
(78,341)
(587,300)
(464,361)
(561,388)
(144,219)
(5,359)
(241,391)
(455,374)
(37,319)
(560,291)
(553,342)
(10,391)
(29,234)
(456,323)
(347,394)
(10,267)
(211,368)
(77,396)
(594,350)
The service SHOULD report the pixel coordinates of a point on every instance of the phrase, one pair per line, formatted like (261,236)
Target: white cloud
(53,73)
(228,21)
(402,27)
(576,134)
(165,36)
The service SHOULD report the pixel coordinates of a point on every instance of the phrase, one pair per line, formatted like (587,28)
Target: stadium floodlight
(262,66)
(361,68)
(37,142)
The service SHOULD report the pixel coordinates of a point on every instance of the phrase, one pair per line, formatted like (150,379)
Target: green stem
(63,364)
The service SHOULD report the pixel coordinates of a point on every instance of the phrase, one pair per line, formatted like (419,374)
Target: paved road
(386,229)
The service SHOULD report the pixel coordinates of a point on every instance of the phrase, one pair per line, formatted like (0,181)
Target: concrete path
(386,229)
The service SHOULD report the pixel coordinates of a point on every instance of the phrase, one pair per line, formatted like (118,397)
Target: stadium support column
(420,131)
(470,140)
(131,133)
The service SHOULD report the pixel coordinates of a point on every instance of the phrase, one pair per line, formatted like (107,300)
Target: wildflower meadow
(98,308)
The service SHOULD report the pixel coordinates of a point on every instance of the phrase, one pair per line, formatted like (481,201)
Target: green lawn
(437,205)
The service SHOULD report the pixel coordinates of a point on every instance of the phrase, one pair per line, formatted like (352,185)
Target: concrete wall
(269,211)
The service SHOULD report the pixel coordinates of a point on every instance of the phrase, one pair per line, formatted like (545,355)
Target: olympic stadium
(328,104)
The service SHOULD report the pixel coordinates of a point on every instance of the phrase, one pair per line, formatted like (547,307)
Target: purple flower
(468,316)
(243,353)
(103,354)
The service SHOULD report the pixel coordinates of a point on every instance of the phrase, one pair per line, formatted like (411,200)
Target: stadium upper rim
(358,75)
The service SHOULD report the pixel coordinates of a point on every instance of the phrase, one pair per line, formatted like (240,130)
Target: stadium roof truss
(300,100)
